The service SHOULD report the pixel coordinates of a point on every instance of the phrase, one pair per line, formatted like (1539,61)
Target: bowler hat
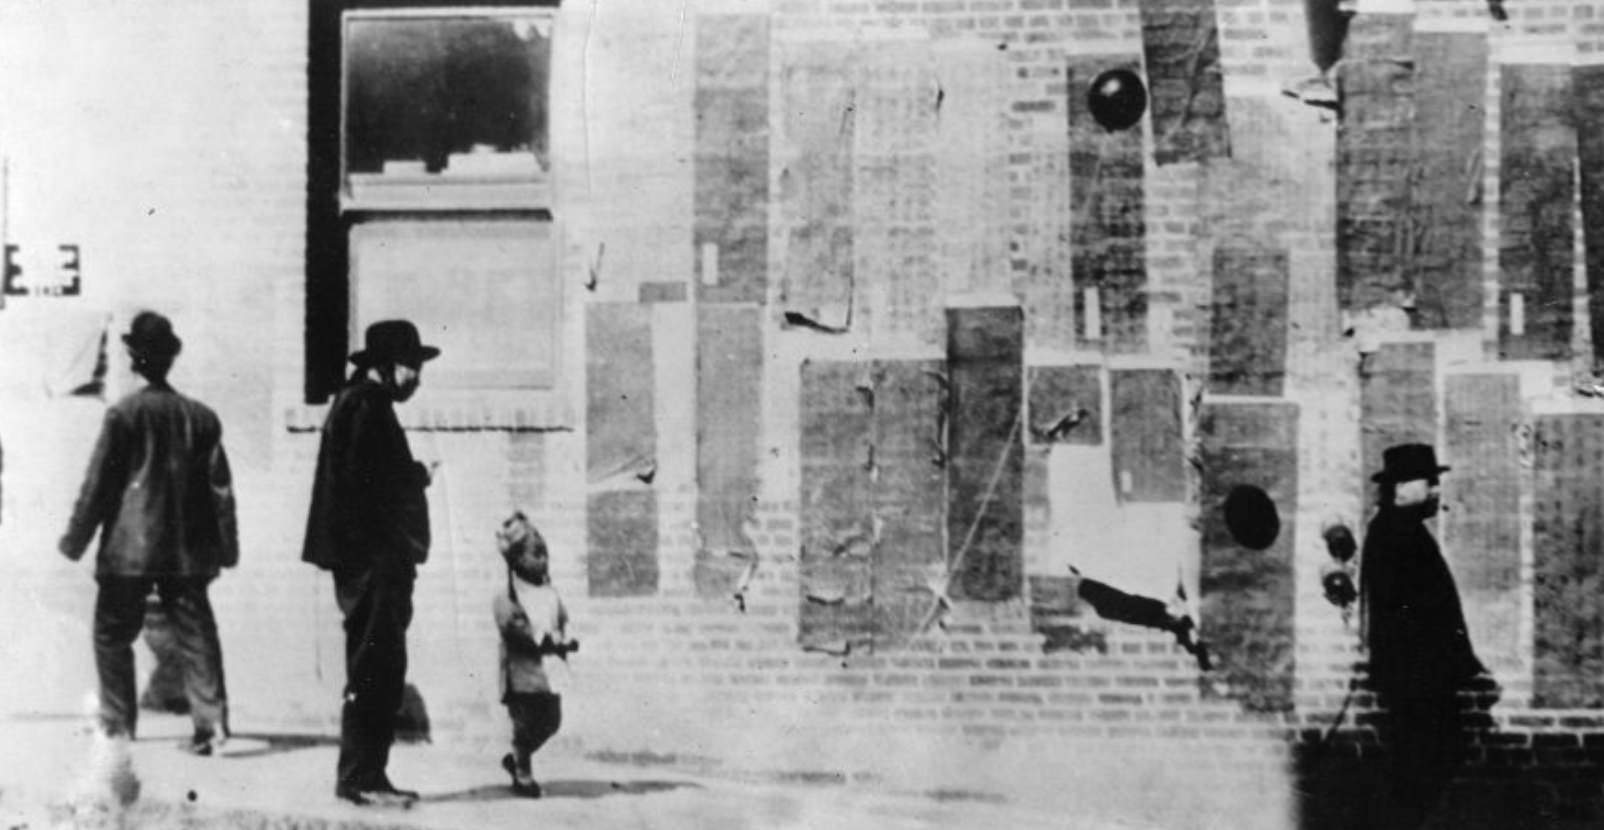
(151,335)
(1407,462)
(393,341)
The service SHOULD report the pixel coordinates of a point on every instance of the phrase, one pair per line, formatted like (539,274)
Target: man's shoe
(373,798)
(353,795)
(205,744)
(391,789)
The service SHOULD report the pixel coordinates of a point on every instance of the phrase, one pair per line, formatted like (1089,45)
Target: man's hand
(69,550)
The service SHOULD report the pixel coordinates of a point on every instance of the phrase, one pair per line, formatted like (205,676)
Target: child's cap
(516,535)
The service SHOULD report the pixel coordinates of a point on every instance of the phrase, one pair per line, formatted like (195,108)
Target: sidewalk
(284,781)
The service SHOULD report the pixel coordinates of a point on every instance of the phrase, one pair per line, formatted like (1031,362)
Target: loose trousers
(536,716)
(119,615)
(378,608)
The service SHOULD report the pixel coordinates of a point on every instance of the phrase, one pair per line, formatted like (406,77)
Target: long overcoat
(1415,626)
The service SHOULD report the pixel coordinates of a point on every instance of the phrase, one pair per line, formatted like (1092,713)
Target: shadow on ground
(565,788)
(243,745)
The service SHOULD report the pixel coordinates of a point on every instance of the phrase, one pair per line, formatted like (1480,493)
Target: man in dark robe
(369,525)
(1420,651)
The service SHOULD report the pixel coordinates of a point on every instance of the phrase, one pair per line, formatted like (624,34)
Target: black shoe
(1182,629)
(383,796)
(526,789)
(205,744)
(390,789)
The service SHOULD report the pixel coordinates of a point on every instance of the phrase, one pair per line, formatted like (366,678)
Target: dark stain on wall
(1248,593)
(1145,435)
(732,156)
(1066,405)
(985,465)
(729,415)
(1397,401)
(620,381)
(910,493)
(620,450)
(621,543)
(1058,614)
(1107,223)
(1443,224)
(818,108)
(1481,533)
(1536,232)
(1248,324)
(1181,45)
(873,500)
(1568,527)
(837,524)
(1588,85)
(1375,87)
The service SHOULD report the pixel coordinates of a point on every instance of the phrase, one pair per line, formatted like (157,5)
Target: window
(429,195)
(445,109)
(483,290)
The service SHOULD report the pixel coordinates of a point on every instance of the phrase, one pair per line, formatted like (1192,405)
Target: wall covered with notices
(890,415)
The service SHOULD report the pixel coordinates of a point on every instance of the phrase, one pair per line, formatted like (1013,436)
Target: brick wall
(197,208)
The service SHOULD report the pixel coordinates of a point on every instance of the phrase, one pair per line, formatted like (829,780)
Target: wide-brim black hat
(1407,462)
(393,341)
(151,335)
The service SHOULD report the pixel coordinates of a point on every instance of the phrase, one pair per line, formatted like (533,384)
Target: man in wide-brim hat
(1419,647)
(369,525)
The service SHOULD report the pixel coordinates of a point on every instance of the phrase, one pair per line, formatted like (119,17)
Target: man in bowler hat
(160,494)
(1419,647)
(369,525)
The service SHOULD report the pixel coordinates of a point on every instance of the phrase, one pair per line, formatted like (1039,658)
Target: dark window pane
(453,95)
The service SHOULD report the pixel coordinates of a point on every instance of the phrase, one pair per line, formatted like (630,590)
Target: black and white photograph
(802,414)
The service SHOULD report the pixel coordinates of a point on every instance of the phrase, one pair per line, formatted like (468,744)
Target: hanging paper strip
(1536,210)
(731,195)
(1248,593)
(985,517)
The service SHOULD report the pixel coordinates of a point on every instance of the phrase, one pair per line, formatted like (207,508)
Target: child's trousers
(535,718)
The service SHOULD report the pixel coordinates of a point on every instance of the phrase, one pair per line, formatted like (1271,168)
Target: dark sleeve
(102,487)
(221,483)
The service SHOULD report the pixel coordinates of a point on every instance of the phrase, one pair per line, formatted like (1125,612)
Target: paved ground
(284,781)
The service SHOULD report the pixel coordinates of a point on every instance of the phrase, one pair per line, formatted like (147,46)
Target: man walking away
(369,525)
(159,492)
(1420,651)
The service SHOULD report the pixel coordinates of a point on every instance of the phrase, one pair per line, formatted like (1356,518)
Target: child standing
(533,624)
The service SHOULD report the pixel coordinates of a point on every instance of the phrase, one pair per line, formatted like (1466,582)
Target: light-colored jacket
(522,671)
(158,490)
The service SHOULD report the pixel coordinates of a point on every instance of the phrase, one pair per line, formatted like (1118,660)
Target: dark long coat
(1415,626)
(158,490)
(369,510)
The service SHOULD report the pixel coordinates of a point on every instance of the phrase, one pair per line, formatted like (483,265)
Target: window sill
(377,193)
(462,411)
